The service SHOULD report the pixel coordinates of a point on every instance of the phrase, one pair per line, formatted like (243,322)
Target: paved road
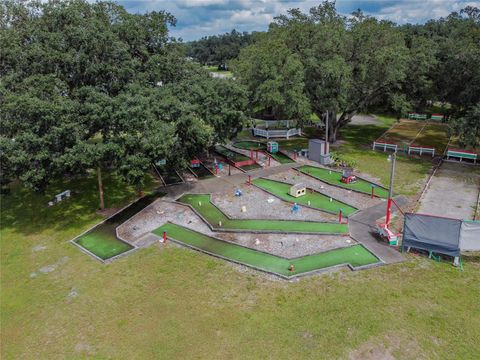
(362,226)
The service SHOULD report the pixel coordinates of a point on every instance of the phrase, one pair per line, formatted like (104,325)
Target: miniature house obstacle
(318,150)
(298,190)
(195,163)
(272,147)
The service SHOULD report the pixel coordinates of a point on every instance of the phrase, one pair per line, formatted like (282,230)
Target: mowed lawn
(171,302)
(335,177)
(202,204)
(356,145)
(355,255)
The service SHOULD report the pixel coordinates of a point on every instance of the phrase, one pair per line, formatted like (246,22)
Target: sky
(199,18)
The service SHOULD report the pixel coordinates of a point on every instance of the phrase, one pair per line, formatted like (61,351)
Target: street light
(392,159)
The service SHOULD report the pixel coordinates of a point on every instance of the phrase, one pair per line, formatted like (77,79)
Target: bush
(340,160)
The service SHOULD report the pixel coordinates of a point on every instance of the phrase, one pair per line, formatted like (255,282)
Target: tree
(218,49)
(467,127)
(274,77)
(88,85)
(348,63)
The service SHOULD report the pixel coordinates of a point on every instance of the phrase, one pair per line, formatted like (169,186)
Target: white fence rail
(276,133)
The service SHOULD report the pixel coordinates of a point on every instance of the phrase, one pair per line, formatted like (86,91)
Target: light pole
(393,159)
(326,134)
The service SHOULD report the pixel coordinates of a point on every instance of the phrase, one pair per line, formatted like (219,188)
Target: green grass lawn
(356,145)
(172,302)
(334,178)
(213,215)
(317,200)
(355,255)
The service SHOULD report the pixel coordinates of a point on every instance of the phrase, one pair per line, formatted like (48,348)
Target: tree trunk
(100,188)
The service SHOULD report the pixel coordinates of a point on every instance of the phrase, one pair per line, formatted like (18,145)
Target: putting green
(317,200)
(355,255)
(103,243)
(213,215)
(334,177)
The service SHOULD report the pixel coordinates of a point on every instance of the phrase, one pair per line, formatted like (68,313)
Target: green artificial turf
(103,244)
(102,239)
(253,145)
(250,145)
(253,166)
(355,255)
(317,200)
(334,177)
(213,215)
(281,158)
(229,154)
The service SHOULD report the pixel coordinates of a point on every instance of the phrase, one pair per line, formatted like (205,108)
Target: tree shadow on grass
(27,212)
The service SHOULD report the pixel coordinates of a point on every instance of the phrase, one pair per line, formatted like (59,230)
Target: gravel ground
(292,245)
(358,200)
(256,202)
(453,192)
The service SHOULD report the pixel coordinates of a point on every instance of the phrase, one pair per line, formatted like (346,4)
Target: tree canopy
(218,49)
(351,63)
(88,85)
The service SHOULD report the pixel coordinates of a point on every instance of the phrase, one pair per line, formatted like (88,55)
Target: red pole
(340,216)
(164,236)
(373,192)
(216,169)
(389,209)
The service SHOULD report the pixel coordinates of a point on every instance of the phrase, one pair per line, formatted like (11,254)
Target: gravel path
(358,200)
(258,206)
(137,228)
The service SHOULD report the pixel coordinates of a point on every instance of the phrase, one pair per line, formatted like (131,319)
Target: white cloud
(416,11)
(199,3)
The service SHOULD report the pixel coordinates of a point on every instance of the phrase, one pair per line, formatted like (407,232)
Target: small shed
(272,147)
(298,190)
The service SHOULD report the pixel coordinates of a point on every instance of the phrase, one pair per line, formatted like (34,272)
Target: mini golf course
(202,172)
(333,178)
(102,240)
(214,215)
(355,255)
(236,158)
(316,199)
(253,145)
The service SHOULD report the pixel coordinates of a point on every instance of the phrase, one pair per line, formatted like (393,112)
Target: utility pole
(326,134)
(393,159)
